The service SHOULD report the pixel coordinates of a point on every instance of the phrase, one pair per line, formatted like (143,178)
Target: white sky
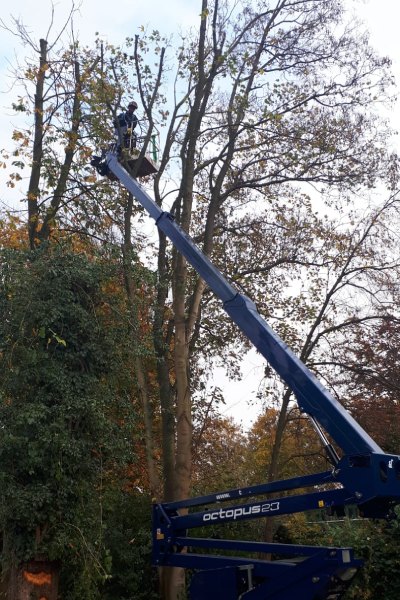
(115,21)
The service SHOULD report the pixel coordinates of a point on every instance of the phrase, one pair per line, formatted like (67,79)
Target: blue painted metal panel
(318,576)
(222,582)
(264,508)
(272,487)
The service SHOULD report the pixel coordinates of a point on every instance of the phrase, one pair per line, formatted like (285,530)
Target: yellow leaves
(13,232)
(17,135)
(30,74)
(13,177)
(57,338)
(276,117)
(71,139)
(90,178)
(21,137)
(51,337)
(85,153)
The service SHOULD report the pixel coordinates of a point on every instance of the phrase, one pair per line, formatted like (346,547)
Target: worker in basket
(125,125)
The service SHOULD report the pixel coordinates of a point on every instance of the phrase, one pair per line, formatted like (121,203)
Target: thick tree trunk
(162,342)
(183,397)
(35,580)
(130,288)
(154,481)
(172,583)
(273,469)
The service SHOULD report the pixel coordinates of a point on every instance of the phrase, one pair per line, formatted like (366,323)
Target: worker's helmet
(133,103)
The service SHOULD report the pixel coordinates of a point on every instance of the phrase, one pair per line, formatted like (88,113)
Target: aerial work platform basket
(131,156)
(147,163)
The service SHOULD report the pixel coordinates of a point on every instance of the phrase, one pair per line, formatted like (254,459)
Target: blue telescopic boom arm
(311,396)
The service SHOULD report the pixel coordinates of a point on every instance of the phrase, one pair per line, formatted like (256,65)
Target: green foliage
(64,431)
(376,542)
(128,537)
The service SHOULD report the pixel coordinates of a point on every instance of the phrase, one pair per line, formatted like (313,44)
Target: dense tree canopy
(64,423)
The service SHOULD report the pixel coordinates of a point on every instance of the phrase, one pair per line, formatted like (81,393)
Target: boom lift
(363,475)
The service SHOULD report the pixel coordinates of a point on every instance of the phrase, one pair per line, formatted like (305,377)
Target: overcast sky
(121,18)
(112,19)
(115,21)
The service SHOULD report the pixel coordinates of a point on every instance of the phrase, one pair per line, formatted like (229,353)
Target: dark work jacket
(127,120)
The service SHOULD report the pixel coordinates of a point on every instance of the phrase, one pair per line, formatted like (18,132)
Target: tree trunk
(172,583)
(273,469)
(37,154)
(69,150)
(130,288)
(35,580)
(183,397)
(162,342)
